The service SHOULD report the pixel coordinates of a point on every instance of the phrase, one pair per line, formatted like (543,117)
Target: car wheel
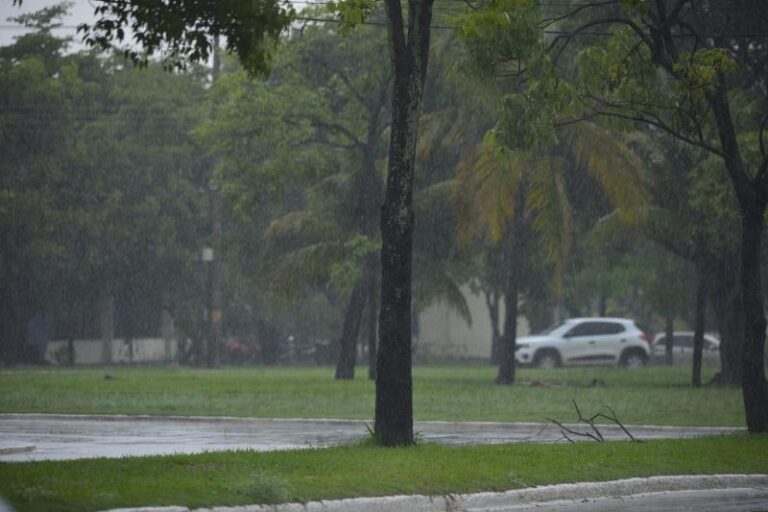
(633,359)
(546,359)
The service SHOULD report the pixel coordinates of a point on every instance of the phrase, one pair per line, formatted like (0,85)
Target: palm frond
(436,129)
(336,185)
(548,202)
(300,228)
(305,267)
(485,187)
(435,199)
(617,169)
(432,283)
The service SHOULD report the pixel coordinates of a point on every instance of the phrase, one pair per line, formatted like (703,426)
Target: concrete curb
(500,500)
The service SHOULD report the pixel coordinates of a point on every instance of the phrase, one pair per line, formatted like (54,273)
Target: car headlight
(522,345)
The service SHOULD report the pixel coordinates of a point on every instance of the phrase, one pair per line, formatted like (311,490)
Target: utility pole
(215,308)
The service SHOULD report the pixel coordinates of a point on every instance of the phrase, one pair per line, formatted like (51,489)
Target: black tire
(633,358)
(546,358)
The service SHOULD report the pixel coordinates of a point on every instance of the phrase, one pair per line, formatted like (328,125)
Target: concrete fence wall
(145,350)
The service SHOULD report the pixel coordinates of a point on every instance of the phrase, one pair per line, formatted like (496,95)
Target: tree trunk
(699,325)
(492,302)
(725,295)
(754,387)
(345,365)
(752,192)
(367,204)
(515,230)
(373,312)
(669,334)
(393,425)
(507,367)
(70,351)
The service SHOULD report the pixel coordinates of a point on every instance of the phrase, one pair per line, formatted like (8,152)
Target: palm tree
(513,196)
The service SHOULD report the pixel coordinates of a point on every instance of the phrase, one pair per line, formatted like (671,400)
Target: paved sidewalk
(712,492)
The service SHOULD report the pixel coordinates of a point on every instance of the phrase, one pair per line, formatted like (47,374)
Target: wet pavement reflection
(58,437)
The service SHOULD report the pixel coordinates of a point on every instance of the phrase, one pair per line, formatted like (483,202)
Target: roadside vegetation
(652,395)
(235,478)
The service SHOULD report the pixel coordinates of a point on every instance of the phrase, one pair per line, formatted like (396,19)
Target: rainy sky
(81,11)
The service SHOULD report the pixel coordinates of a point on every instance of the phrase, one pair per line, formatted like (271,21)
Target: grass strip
(654,395)
(236,478)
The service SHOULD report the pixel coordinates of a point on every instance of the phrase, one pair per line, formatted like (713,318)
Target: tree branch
(653,120)
(606,21)
(595,435)
(360,97)
(546,22)
(318,123)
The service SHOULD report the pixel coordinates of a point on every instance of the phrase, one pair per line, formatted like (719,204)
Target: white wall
(443,333)
(145,350)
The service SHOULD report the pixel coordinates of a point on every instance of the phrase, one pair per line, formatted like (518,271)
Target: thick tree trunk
(393,425)
(754,386)
(345,365)
(752,193)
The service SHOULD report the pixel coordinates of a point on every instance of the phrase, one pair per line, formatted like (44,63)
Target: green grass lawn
(234,478)
(646,396)
(653,395)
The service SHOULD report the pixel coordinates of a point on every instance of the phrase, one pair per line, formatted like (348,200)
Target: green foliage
(504,38)
(39,42)
(699,71)
(291,152)
(99,184)
(345,273)
(713,205)
(501,30)
(351,13)
(183,31)
(640,6)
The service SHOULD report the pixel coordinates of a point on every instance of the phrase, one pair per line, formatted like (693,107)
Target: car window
(684,340)
(595,329)
(585,329)
(612,328)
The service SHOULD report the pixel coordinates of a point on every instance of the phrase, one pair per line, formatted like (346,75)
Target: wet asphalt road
(714,500)
(58,437)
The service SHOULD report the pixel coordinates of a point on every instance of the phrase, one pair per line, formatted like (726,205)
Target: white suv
(586,341)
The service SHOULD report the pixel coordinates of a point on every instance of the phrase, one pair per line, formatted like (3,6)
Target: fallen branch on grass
(593,432)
